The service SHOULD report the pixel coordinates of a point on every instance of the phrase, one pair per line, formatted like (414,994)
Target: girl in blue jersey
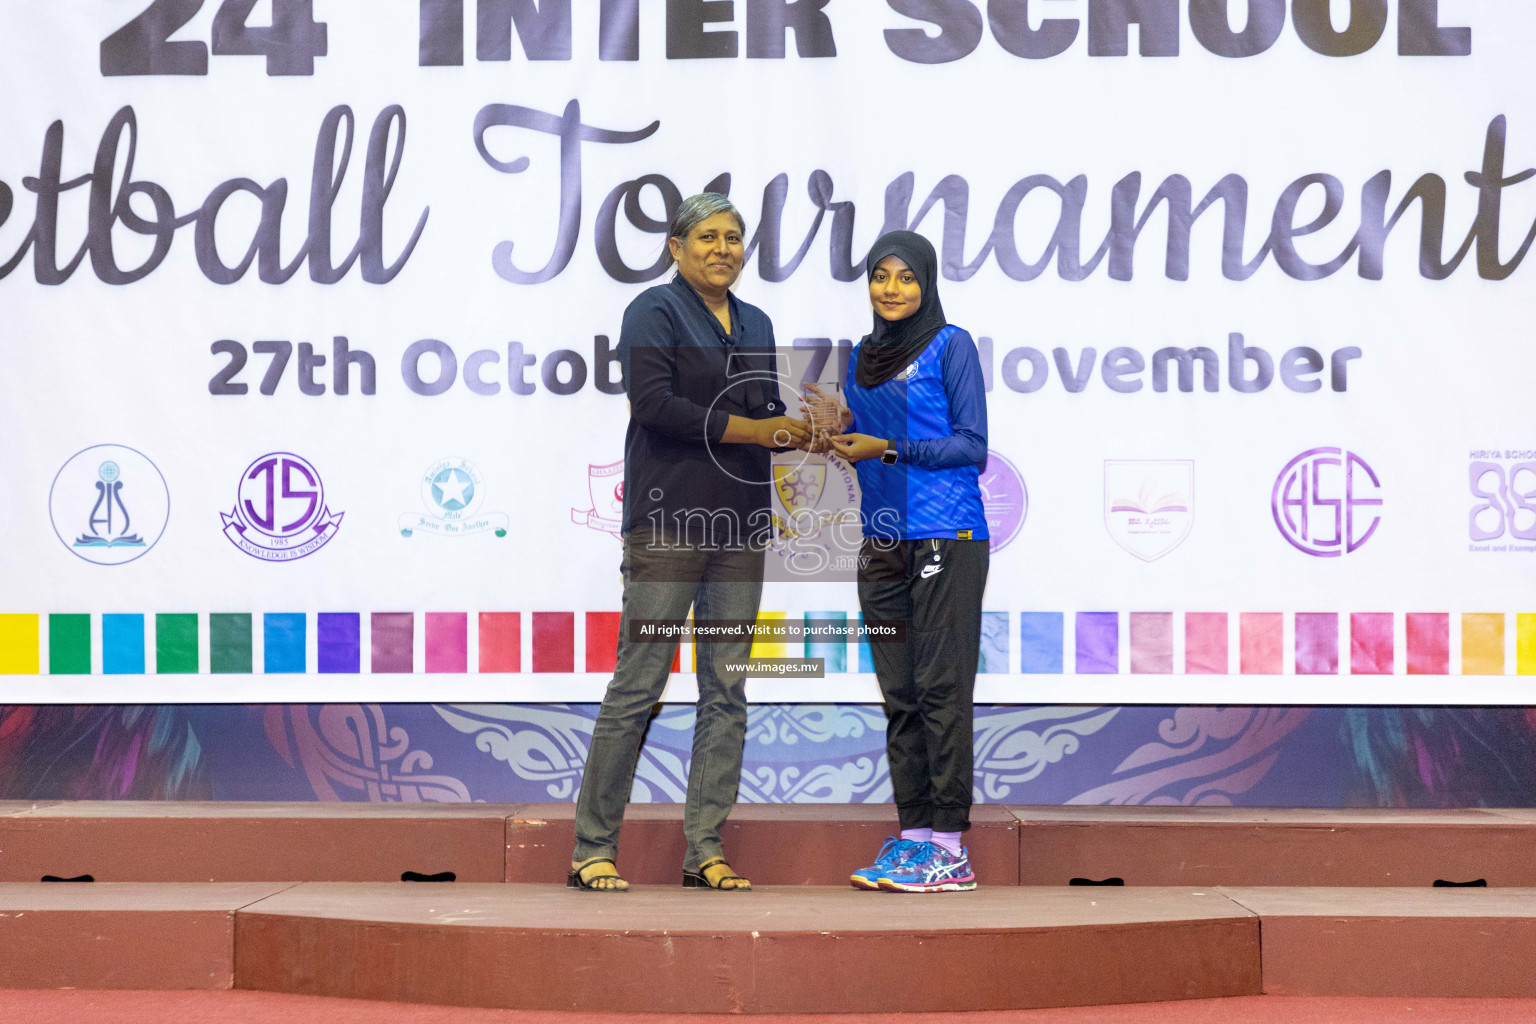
(918,403)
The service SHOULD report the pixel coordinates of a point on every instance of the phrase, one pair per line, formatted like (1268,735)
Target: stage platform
(810,949)
(774,844)
(308,898)
(792,949)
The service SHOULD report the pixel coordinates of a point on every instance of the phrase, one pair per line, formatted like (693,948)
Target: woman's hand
(858,447)
(774,432)
(782,432)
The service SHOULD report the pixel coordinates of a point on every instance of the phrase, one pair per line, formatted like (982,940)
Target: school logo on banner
(1004,501)
(1327,502)
(1149,506)
(109,504)
(605,490)
(280,513)
(799,487)
(1503,514)
(452,491)
(816,525)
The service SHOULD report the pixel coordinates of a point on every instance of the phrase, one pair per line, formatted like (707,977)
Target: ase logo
(280,513)
(1326,502)
(109,504)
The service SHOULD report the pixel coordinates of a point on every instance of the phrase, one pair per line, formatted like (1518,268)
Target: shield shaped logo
(605,489)
(606,486)
(799,486)
(1149,506)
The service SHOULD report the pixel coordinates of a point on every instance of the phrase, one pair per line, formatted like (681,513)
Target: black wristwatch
(888,457)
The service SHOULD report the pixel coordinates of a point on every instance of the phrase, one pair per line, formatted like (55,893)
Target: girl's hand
(858,447)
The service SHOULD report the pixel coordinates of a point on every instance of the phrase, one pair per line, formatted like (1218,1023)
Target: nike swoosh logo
(931,570)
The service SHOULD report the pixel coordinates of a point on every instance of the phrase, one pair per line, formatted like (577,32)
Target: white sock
(917,835)
(950,841)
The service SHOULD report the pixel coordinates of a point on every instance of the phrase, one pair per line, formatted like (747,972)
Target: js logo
(280,512)
(1507,500)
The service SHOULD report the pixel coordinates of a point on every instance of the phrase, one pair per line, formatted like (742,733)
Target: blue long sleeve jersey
(935,416)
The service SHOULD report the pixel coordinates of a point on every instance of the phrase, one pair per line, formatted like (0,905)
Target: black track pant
(934,586)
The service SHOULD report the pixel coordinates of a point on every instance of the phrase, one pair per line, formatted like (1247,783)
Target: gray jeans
(661,583)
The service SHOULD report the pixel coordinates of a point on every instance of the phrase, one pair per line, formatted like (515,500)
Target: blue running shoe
(930,868)
(890,855)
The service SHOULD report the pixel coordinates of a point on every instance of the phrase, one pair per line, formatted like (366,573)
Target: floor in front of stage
(236,1007)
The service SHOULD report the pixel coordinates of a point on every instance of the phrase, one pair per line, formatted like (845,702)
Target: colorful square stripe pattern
(1030,642)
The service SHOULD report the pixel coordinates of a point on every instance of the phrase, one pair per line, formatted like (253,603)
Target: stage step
(1270,847)
(1396,941)
(773,844)
(143,841)
(789,949)
(797,949)
(143,935)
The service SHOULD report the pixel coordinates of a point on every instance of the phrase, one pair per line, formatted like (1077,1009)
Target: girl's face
(893,290)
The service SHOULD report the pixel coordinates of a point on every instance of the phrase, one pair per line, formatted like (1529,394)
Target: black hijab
(893,344)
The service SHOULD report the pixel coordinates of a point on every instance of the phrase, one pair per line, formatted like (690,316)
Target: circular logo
(453,487)
(452,490)
(280,512)
(109,504)
(1004,500)
(910,371)
(758,381)
(281,495)
(1326,502)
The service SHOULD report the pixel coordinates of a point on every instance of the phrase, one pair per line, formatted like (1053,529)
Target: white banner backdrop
(309,311)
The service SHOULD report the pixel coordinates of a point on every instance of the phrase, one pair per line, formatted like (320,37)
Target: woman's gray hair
(695,210)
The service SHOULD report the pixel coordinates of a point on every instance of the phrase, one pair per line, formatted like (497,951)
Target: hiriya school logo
(1004,501)
(453,490)
(280,512)
(1327,502)
(1503,482)
(1149,506)
(605,489)
(109,504)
